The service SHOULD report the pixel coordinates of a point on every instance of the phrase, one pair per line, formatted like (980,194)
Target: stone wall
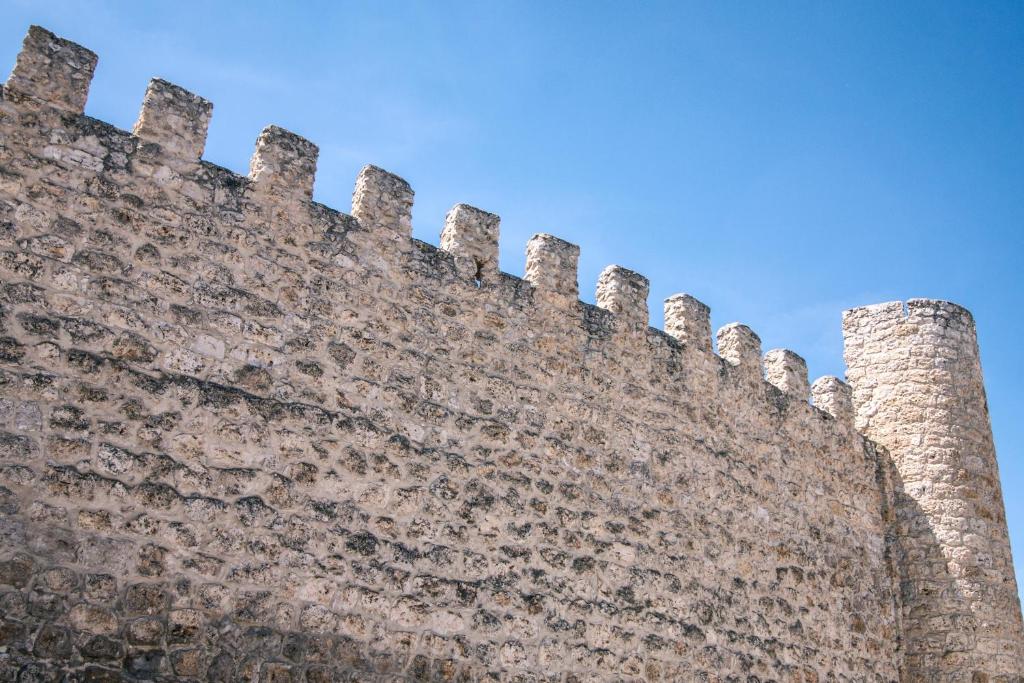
(244,436)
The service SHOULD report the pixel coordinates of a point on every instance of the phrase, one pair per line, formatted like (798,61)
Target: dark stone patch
(342,354)
(364,543)
(96,261)
(16,571)
(38,325)
(310,368)
(133,348)
(69,417)
(84,331)
(23,293)
(148,254)
(157,494)
(254,378)
(92,394)
(101,648)
(252,508)
(151,560)
(12,634)
(185,315)
(11,351)
(86,361)
(444,488)
(144,663)
(52,642)
(16,446)
(515,553)
(145,598)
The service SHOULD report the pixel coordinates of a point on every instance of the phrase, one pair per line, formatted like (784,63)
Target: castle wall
(918,390)
(244,436)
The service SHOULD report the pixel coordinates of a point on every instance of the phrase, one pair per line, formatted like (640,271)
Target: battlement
(446,469)
(175,119)
(283,164)
(886,317)
(52,70)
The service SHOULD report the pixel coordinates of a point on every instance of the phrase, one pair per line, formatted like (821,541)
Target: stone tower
(918,392)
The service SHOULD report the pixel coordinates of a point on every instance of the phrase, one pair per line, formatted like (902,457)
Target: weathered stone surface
(52,70)
(471,236)
(624,293)
(284,163)
(787,372)
(175,119)
(689,321)
(551,267)
(246,437)
(918,391)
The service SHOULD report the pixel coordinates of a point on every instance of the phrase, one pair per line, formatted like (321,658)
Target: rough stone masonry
(244,436)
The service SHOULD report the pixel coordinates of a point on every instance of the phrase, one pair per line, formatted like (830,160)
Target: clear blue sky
(781,161)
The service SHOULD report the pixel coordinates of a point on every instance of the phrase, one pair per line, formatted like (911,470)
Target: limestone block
(175,119)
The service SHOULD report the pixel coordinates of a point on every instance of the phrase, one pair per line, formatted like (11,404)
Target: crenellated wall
(244,436)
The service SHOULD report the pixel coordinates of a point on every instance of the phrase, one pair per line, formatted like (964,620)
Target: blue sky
(780,161)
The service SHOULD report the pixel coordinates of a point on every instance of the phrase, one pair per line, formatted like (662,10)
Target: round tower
(918,392)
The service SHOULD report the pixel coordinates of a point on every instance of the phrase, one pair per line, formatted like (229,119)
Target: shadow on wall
(938,628)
